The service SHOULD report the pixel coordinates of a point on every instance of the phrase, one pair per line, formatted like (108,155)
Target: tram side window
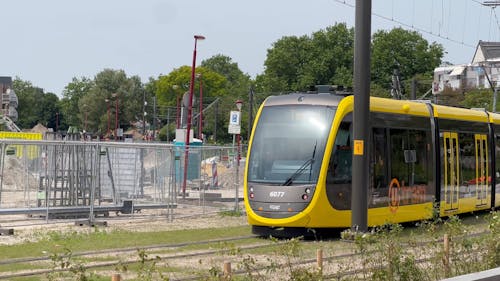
(378,159)
(408,156)
(341,160)
(467,158)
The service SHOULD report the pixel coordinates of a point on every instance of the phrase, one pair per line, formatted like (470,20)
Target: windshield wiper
(301,169)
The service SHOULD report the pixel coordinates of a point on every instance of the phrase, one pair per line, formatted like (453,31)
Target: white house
(483,71)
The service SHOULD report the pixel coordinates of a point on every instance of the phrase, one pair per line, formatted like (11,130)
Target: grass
(384,253)
(99,239)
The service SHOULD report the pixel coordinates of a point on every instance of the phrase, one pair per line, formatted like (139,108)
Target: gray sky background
(50,42)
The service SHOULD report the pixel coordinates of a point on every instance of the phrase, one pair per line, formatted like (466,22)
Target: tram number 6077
(277,194)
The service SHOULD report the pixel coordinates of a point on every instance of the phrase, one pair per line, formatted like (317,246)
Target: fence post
(319,259)
(227,271)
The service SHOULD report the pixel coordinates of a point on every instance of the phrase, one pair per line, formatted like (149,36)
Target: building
(482,72)
(9,102)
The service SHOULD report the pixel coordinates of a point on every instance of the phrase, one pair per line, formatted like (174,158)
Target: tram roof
(304,98)
(456,113)
(386,105)
(495,118)
(399,106)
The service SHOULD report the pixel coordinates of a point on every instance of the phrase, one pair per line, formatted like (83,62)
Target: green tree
(478,98)
(169,90)
(237,88)
(70,107)
(284,63)
(35,106)
(405,50)
(111,90)
(295,63)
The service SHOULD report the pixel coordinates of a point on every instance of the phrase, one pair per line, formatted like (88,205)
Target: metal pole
(360,165)
(144,115)
(190,110)
(237,207)
(494,105)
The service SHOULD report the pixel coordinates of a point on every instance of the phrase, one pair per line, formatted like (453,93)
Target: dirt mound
(13,171)
(39,128)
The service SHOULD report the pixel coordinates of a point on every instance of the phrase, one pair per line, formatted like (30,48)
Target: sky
(50,42)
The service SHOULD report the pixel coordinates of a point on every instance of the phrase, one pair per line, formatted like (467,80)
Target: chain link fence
(71,179)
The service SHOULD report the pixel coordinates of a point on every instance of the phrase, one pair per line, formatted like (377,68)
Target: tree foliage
(295,63)
(112,97)
(405,50)
(72,94)
(35,106)
(326,57)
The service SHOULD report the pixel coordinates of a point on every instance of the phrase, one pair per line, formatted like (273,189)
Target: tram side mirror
(410,156)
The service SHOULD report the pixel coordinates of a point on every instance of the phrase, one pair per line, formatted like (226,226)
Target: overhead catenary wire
(419,29)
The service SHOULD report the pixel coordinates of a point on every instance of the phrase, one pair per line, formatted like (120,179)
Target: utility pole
(360,164)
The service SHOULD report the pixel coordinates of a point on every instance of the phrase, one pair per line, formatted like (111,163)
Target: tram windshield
(289,143)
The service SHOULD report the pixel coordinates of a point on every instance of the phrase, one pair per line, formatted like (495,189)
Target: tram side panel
(401,180)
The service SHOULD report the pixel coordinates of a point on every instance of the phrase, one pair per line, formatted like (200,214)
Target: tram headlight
(308,190)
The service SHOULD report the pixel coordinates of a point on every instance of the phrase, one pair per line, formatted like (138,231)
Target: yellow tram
(298,168)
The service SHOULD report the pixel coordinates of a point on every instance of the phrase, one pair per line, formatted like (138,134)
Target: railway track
(123,251)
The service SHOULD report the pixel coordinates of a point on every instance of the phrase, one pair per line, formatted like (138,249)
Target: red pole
(190,109)
(200,118)
(239,157)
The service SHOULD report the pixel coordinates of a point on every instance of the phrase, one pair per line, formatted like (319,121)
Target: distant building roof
(6,80)
(486,51)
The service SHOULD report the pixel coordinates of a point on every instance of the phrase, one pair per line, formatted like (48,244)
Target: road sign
(234,123)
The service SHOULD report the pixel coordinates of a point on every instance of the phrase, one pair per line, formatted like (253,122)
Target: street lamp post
(190,109)
(200,118)
(239,104)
